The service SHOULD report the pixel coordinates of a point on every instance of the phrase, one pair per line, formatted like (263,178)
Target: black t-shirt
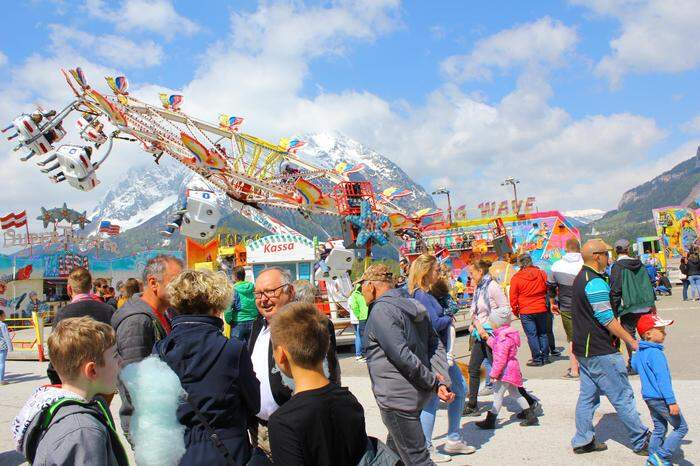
(325,426)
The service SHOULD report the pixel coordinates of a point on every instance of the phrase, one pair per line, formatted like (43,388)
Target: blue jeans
(3,358)
(606,375)
(359,338)
(487,367)
(241,330)
(535,327)
(662,418)
(454,409)
(686,284)
(695,283)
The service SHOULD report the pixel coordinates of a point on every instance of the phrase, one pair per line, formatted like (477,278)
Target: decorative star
(372,226)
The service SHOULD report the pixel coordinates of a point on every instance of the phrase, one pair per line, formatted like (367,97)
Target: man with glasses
(406,362)
(602,369)
(274,289)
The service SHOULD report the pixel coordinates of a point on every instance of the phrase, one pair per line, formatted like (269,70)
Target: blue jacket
(653,370)
(440,321)
(218,376)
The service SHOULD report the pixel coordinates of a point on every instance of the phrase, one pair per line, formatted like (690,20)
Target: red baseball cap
(650,321)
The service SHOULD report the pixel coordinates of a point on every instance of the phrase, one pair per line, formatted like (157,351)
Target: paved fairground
(510,444)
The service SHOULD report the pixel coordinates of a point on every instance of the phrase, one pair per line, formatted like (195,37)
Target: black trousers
(481,351)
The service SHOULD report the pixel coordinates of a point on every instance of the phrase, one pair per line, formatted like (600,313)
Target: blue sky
(580,99)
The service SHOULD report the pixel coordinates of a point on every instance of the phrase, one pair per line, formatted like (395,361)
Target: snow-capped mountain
(148,194)
(584,216)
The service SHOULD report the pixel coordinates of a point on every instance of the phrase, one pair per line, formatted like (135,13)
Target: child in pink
(505,370)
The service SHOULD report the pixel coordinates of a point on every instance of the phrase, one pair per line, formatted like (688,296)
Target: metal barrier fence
(29,341)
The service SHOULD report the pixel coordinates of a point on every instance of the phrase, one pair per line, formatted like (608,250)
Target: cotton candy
(158,437)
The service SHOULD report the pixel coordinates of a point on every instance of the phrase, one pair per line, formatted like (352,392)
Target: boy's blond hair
(302,331)
(77,341)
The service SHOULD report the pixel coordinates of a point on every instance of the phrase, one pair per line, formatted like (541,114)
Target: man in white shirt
(274,289)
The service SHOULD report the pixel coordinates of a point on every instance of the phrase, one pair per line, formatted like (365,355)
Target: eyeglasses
(270,294)
(600,252)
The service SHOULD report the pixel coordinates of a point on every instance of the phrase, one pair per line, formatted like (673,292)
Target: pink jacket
(505,343)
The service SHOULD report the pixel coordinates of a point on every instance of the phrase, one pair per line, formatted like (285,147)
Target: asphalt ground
(510,444)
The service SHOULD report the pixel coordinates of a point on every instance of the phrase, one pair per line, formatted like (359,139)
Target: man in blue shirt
(596,335)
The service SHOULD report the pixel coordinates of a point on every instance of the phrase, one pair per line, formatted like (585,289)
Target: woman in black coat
(216,372)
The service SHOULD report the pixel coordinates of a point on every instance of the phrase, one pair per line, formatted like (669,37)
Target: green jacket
(243,307)
(358,304)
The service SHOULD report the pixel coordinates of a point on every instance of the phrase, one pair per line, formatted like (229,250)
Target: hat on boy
(650,321)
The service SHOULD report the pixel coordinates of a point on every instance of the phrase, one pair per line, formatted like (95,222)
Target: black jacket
(218,376)
(137,329)
(280,392)
(98,310)
(693,266)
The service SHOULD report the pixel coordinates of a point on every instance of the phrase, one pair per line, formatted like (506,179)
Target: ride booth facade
(543,235)
(294,253)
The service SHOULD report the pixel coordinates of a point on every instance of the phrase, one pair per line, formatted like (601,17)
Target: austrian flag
(13,220)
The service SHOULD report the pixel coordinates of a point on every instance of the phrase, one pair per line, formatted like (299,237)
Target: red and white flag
(114,230)
(13,220)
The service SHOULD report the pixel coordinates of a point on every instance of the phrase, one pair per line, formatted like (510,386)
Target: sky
(580,100)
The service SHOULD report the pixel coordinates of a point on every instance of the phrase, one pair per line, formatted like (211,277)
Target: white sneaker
(437,457)
(458,447)
(486,391)
(360,359)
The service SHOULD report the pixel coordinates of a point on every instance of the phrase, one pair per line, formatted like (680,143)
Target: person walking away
(602,370)
(83,303)
(528,300)
(71,424)
(131,287)
(274,289)
(5,346)
(631,293)
(560,280)
(406,362)
(322,423)
(657,390)
(216,372)
(683,268)
(358,317)
(694,273)
(423,275)
(109,297)
(242,313)
(142,321)
(505,370)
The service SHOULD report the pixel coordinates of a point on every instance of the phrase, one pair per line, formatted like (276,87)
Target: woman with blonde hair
(217,373)
(424,273)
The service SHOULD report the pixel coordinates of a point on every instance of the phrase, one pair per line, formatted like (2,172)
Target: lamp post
(513,182)
(446,191)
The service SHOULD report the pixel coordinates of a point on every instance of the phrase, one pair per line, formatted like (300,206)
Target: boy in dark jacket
(70,424)
(657,390)
(217,374)
(322,423)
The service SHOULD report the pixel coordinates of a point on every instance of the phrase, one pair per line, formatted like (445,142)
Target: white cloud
(158,16)
(110,48)
(544,42)
(3,59)
(692,125)
(656,36)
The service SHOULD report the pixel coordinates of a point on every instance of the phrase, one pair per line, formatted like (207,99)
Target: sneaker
(3,382)
(656,460)
(437,457)
(358,358)
(590,447)
(533,363)
(555,353)
(458,447)
(486,391)
(569,376)
(470,411)
(644,451)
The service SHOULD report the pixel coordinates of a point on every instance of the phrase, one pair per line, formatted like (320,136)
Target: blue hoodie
(653,370)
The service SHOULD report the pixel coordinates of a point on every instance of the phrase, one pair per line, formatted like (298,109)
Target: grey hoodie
(403,352)
(77,434)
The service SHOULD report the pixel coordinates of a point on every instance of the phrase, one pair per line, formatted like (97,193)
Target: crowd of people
(272,392)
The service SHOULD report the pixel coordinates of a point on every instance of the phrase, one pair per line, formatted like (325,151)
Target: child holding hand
(651,364)
(505,370)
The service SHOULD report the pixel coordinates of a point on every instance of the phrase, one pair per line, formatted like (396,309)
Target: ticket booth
(295,253)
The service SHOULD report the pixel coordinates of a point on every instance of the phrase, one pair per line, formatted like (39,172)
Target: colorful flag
(13,220)
(114,230)
(105,225)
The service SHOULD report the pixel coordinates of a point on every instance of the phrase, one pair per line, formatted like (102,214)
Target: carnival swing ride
(252,172)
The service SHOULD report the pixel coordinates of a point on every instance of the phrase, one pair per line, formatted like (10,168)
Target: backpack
(48,415)
(637,291)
